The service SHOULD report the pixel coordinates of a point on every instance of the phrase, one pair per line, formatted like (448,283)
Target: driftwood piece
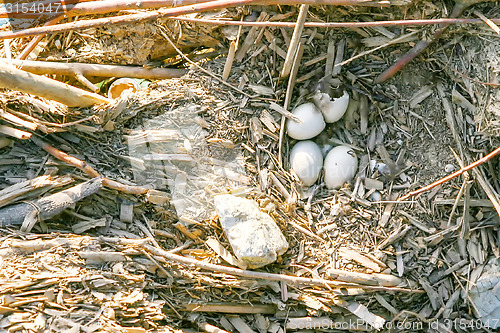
(61,68)
(49,206)
(16,79)
(154,196)
(31,187)
(375,279)
(186,9)
(74,8)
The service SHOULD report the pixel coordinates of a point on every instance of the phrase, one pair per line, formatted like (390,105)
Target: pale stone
(486,295)
(253,235)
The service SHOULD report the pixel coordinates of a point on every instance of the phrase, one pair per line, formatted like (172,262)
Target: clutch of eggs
(306,158)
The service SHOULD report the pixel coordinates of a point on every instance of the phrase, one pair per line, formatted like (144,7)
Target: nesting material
(306,160)
(253,235)
(312,122)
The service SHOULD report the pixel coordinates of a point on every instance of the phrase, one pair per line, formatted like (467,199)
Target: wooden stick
(49,206)
(102,7)
(31,187)
(458,9)
(62,68)
(14,132)
(453,175)
(376,279)
(187,9)
(88,169)
(16,79)
(390,23)
(262,275)
(294,42)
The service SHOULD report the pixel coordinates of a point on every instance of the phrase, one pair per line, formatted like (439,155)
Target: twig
(389,23)
(15,79)
(88,169)
(27,213)
(14,132)
(187,9)
(164,34)
(74,8)
(455,204)
(453,175)
(458,9)
(262,275)
(62,68)
(294,42)
(489,22)
(465,231)
(389,43)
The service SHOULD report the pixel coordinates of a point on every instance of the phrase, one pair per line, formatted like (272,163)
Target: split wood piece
(27,213)
(31,187)
(349,254)
(472,202)
(62,68)
(152,195)
(458,9)
(394,236)
(229,60)
(265,276)
(18,80)
(17,121)
(229,308)
(375,279)
(240,325)
(294,42)
(221,251)
(100,257)
(186,9)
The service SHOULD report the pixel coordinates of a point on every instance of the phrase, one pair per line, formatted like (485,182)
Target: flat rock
(253,235)
(486,295)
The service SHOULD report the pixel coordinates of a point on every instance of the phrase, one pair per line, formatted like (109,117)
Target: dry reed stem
(167,12)
(82,165)
(453,175)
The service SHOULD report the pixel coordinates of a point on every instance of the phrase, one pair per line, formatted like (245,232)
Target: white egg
(312,122)
(340,166)
(332,109)
(306,160)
